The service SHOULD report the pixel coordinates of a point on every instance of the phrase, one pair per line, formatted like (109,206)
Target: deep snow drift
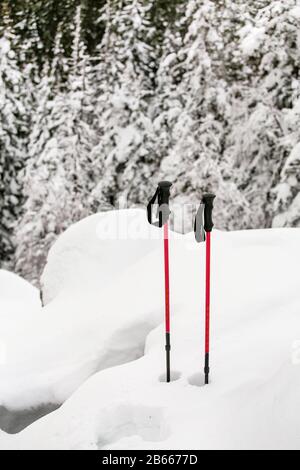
(15,294)
(104,299)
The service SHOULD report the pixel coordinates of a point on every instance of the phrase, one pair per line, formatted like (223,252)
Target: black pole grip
(164,188)
(164,192)
(162,195)
(208,201)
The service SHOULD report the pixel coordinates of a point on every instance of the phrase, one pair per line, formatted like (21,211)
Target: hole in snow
(12,421)
(175,375)
(127,421)
(197,380)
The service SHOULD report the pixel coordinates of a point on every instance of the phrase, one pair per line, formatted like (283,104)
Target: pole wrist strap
(199,225)
(163,211)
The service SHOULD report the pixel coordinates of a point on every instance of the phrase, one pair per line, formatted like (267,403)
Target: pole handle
(162,195)
(208,201)
(164,192)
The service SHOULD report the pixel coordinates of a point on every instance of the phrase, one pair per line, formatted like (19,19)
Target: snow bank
(18,299)
(13,287)
(92,252)
(253,400)
(91,323)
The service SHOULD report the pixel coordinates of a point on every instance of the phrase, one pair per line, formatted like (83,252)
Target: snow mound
(17,297)
(100,349)
(91,323)
(90,253)
(13,287)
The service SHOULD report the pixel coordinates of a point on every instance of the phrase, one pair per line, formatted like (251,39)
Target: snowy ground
(98,345)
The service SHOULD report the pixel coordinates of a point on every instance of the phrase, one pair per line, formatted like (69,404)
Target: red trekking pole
(208,201)
(201,226)
(162,196)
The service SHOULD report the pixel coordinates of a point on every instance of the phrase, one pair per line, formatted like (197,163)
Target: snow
(169,60)
(293,213)
(294,157)
(98,345)
(13,286)
(252,40)
(90,253)
(76,333)
(15,292)
(4,46)
(295,12)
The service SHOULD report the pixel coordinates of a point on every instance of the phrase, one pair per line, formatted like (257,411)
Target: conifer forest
(99,99)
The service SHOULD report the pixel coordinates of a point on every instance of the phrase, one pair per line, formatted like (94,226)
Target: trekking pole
(162,196)
(208,201)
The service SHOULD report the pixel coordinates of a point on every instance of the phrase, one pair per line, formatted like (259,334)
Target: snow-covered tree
(35,232)
(203,93)
(13,131)
(76,114)
(59,175)
(287,202)
(193,114)
(167,101)
(125,80)
(260,139)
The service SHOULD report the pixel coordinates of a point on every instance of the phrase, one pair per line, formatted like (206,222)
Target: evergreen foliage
(101,98)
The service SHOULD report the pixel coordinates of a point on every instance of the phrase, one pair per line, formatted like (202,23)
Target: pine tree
(287,191)
(76,112)
(194,112)
(167,101)
(59,174)
(203,93)
(36,232)
(125,82)
(259,137)
(13,130)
